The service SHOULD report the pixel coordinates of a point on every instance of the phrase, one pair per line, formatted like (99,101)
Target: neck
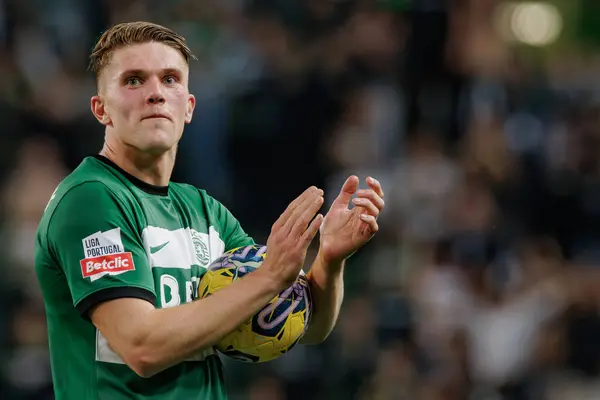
(155,169)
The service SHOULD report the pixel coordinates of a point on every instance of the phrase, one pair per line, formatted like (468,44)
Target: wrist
(329,264)
(271,282)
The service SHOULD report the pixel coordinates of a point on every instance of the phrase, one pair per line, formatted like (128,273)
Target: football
(275,329)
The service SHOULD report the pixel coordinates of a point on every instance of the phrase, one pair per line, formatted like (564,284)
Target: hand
(291,235)
(343,230)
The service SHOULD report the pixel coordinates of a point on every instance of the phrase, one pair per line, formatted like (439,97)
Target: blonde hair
(130,33)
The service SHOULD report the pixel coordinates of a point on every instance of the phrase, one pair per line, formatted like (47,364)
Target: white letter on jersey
(167,282)
(189,291)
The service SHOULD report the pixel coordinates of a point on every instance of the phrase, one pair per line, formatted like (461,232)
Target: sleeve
(93,238)
(230,229)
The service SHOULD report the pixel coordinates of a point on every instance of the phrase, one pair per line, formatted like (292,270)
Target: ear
(191,105)
(99,110)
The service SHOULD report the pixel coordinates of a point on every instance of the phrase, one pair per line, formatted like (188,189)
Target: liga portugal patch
(110,264)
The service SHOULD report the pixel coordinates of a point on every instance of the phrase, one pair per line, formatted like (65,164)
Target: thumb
(348,189)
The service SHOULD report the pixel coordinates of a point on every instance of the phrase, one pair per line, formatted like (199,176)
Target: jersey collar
(146,187)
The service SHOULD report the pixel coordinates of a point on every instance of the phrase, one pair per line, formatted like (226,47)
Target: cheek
(181,102)
(123,106)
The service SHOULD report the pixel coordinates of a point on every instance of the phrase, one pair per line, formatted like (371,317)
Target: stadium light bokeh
(535,24)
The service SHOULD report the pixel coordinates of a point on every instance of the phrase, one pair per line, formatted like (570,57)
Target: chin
(158,150)
(158,141)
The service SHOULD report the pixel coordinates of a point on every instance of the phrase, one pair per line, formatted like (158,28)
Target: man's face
(143,97)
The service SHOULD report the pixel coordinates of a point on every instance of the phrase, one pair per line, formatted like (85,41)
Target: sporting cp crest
(202,253)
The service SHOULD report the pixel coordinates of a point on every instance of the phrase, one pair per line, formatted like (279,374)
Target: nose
(156,98)
(155,95)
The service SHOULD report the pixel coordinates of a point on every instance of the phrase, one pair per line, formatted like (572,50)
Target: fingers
(308,202)
(371,222)
(298,201)
(369,200)
(375,185)
(348,189)
(305,213)
(287,214)
(367,204)
(291,235)
(312,230)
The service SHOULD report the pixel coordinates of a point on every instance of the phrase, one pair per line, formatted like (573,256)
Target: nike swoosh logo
(155,249)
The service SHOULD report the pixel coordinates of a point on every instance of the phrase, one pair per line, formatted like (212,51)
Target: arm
(147,339)
(150,340)
(343,232)
(327,289)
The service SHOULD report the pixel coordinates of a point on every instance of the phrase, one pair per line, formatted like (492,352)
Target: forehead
(149,57)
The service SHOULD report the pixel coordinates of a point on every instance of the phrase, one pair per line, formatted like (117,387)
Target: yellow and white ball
(275,329)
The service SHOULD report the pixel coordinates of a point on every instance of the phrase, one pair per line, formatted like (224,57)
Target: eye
(133,81)
(169,80)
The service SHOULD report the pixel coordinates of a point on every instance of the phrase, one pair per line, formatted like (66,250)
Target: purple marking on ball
(307,315)
(261,251)
(246,251)
(299,292)
(221,263)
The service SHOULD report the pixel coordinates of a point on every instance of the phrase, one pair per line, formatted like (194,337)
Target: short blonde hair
(130,33)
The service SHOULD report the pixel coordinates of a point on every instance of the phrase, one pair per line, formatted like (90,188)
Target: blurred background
(481,118)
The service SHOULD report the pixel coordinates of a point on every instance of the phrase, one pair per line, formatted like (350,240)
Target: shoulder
(195,195)
(91,191)
(75,205)
(213,209)
(80,196)
(91,179)
(184,189)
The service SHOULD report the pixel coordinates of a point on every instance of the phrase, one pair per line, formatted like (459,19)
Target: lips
(157,116)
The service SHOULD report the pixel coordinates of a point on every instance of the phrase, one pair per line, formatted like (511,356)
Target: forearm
(175,334)
(327,290)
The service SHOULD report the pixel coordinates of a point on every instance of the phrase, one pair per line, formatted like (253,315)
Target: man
(120,249)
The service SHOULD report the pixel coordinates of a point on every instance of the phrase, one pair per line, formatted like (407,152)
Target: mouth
(157,116)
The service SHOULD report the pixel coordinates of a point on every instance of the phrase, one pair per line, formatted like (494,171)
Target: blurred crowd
(483,282)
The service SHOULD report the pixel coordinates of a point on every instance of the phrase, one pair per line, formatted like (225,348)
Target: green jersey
(106,235)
